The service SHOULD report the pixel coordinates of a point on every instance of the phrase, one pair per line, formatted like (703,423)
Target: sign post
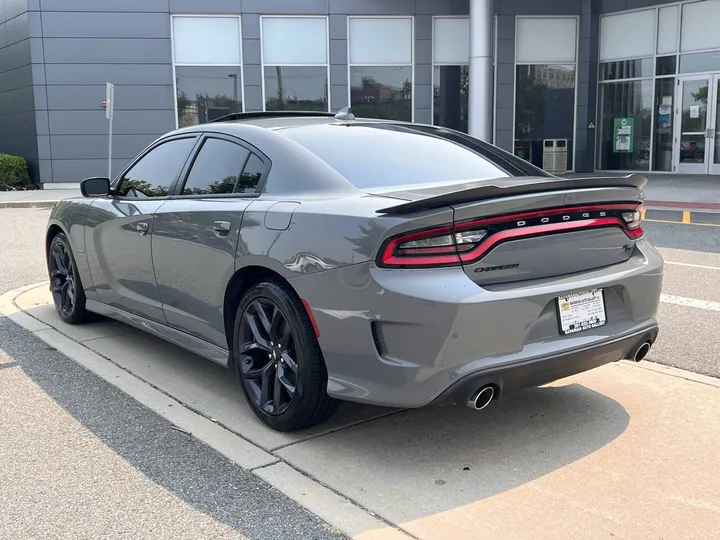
(109,113)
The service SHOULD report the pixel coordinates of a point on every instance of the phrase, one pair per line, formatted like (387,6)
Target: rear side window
(381,155)
(216,168)
(251,175)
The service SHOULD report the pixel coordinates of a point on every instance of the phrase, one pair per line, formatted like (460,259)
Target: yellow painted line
(686,216)
(683,223)
(642,213)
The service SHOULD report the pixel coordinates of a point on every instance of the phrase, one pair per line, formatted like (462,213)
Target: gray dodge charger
(326,258)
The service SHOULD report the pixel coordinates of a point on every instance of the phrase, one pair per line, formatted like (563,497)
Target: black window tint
(153,175)
(375,155)
(251,175)
(216,168)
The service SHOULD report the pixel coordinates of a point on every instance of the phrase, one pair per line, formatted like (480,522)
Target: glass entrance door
(697,145)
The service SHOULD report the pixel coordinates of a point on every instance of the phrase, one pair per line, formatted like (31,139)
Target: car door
(196,234)
(120,228)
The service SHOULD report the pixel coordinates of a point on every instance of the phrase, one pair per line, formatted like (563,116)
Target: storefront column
(586,123)
(480,100)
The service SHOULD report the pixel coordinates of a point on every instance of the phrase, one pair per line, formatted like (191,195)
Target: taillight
(438,246)
(469,241)
(632,222)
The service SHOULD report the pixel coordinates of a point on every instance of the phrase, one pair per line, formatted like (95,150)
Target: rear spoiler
(495,189)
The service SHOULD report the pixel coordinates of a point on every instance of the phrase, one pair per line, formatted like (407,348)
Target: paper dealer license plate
(581,311)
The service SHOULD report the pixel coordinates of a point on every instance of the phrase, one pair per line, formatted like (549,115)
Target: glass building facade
(570,86)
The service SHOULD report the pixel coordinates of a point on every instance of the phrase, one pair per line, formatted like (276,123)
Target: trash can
(555,155)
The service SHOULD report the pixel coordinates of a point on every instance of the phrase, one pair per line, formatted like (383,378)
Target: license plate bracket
(581,311)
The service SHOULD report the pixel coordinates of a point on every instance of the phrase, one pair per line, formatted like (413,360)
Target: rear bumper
(544,370)
(403,338)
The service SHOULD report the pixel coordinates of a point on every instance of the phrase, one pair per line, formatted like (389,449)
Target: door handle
(221,228)
(710,133)
(142,228)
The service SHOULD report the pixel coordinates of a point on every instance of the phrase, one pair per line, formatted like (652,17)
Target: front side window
(216,168)
(156,171)
(379,155)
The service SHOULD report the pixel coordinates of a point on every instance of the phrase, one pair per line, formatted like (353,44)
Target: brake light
(438,246)
(464,242)
(632,222)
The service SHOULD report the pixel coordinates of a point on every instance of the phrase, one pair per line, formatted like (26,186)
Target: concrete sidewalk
(39,198)
(625,451)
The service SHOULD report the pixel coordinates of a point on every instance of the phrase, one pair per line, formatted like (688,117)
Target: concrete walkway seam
(336,509)
(28,204)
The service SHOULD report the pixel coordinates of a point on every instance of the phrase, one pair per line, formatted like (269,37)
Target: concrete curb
(337,510)
(28,204)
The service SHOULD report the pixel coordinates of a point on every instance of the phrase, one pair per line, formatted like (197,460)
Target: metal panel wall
(84,44)
(18,130)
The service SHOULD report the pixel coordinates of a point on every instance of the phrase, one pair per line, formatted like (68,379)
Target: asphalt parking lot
(626,450)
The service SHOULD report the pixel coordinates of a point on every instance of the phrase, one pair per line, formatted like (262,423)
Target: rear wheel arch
(239,284)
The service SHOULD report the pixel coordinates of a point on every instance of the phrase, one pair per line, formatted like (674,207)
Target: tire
(264,363)
(65,283)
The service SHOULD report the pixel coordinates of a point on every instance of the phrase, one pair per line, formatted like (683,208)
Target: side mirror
(95,187)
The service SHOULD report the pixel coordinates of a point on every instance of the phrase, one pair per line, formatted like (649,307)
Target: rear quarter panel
(320,234)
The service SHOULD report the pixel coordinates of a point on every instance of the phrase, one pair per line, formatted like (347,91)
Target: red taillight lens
(632,222)
(430,248)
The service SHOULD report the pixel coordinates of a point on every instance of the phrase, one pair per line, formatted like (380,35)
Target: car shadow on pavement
(172,459)
(437,459)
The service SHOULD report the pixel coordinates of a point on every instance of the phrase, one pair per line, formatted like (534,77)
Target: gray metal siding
(84,44)
(18,129)
(64,52)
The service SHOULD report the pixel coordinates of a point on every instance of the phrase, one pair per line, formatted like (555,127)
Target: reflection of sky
(305,83)
(213,81)
(393,76)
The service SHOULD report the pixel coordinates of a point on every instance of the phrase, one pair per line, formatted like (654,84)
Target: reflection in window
(250,177)
(216,168)
(381,92)
(545,109)
(663,141)
(296,88)
(205,93)
(155,172)
(624,125)
(450,97)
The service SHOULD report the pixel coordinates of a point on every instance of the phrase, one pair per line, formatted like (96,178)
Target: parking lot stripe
(686,216)
(690,302)
(703,266)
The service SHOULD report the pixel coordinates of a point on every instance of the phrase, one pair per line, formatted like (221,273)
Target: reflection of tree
(141,186)
(248,182)
(367,242)
(225,185)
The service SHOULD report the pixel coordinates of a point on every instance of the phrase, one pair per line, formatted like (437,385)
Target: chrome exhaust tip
(481,398)
(642,351)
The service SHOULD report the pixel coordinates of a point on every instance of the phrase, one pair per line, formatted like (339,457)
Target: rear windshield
(379,155)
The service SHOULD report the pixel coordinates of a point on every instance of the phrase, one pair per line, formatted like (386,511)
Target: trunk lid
(534,227)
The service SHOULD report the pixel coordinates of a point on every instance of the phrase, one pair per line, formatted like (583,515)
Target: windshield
(379,155)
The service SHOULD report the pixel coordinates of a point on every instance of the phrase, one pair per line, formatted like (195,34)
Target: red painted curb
(682,205)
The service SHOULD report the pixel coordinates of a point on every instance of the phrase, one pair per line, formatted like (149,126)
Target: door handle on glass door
(221,228)
(142,228)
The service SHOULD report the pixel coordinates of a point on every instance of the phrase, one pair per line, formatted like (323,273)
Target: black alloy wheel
(278,359)
(268,358)
(65,284)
